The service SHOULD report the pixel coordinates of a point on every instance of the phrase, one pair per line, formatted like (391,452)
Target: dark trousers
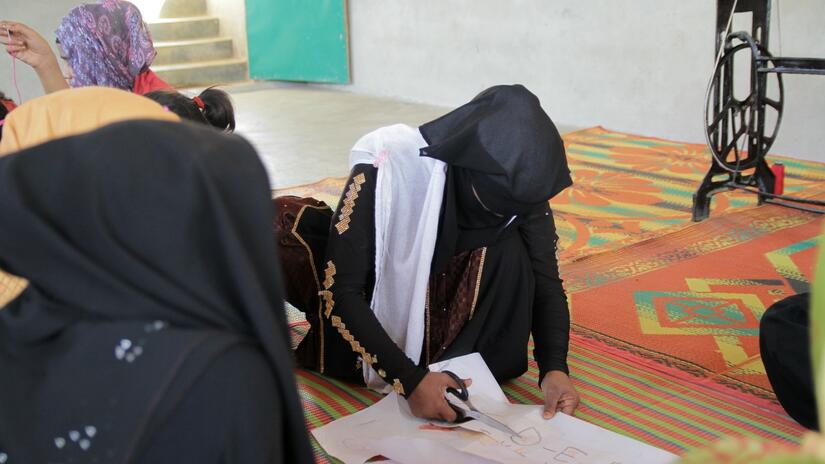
(784,342)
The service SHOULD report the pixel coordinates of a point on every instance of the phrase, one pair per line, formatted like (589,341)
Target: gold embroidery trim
(314,276)
(329,281)
(356,347)
(10,287)
(396,385)
(478,282)
(382,372)
(349,203)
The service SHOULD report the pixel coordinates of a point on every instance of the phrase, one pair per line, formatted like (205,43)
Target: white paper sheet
(387,428)
(563,439)
(473,366)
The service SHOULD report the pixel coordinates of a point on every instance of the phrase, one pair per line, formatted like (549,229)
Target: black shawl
(149,250)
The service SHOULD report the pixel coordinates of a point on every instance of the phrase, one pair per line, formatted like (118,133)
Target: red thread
(14,71)
(199,102)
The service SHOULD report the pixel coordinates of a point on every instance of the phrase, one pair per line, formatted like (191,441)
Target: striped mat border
(637,397)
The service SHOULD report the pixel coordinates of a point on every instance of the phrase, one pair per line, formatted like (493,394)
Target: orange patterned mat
(693,298)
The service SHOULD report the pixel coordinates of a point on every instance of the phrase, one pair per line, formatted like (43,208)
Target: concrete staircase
(191,51)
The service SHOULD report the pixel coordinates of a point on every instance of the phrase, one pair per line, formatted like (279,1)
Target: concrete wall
(232,14)
(639,66)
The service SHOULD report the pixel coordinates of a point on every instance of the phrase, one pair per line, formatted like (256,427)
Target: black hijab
(149,252)
(505,158)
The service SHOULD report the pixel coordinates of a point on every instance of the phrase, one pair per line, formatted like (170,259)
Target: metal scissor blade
(496,424)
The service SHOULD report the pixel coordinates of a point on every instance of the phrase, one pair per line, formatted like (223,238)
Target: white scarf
(408,196)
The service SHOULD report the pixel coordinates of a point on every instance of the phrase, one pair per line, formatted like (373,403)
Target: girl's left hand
(559,394)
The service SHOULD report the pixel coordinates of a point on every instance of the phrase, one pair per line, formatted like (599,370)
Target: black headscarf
(509,145)
(149,252)
(505,159)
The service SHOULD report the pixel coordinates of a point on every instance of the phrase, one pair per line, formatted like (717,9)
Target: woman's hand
(559,394)
(26,44)
(427,400)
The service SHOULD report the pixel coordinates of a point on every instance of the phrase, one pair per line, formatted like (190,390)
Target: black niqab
(505,157)
(149,252)
(509,145)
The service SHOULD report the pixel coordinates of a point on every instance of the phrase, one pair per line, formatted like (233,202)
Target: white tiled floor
(304,133)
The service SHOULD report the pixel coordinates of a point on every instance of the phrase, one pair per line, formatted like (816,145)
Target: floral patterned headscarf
(106,44)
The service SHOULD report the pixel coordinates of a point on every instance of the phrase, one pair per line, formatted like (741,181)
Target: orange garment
(74,111)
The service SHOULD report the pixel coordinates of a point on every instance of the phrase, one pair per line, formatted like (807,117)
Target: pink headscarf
(107,44)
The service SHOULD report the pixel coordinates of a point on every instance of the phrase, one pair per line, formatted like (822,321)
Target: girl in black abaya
(443,244)
(153,327)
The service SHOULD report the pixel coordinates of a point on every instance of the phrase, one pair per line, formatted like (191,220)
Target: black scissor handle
(462,393)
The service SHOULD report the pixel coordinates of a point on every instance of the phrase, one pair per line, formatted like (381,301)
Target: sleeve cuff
(553,367)
(411,381)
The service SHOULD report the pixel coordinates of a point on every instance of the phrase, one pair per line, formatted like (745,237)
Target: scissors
(464,415)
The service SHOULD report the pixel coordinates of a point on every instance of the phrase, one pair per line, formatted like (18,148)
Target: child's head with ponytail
(212,106)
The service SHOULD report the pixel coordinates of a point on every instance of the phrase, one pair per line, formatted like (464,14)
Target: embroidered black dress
(494,275)
(514,290)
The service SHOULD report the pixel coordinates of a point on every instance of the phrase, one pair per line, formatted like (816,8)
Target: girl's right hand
(428,400)
(26,45)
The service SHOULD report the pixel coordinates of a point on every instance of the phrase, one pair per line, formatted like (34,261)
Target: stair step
(194,27)
(183,8)
(190,51)
(204,72)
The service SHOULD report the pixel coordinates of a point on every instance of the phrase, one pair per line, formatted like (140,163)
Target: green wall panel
(298,40)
